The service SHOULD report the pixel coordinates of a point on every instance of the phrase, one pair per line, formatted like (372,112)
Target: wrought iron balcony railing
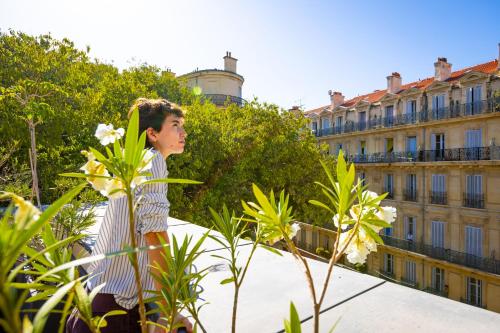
(473,200)
(435,291)
(440,155)
(410,195)
(438,197)
(489,265)
(221,100)
(456,110)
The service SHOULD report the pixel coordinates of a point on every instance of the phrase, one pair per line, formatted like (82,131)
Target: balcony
(438,197)
(489,265)
(409,282)
(458,110)
(440,155)
(410,195)
(435,291)
(472,302)
(220,99)
(473,200)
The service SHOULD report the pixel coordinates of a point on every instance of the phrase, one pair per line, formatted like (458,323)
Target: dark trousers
(103,303)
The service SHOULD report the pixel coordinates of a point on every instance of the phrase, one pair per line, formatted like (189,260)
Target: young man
(163,122)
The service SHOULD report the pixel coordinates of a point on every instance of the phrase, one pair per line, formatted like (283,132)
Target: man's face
(171,138)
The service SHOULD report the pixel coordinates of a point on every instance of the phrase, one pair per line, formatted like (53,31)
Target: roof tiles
(487,68)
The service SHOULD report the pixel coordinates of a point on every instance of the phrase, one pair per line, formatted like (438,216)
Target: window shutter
(437,231)
(473,241)
(476,94)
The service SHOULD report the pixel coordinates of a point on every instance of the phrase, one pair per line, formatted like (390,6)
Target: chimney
(394,83)
(498,60)
(442,69)
(336,98)
(230,63)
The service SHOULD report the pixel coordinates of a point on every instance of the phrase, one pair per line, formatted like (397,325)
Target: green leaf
(42,315)
(228,280)
(271,249)
(322,205)
(172,181)
(132,136)
(293,326)
(102,320)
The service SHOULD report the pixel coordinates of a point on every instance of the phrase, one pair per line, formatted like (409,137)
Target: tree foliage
(227,148)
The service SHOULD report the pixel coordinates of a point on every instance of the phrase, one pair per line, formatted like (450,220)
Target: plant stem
(142,308)
(235,307)
(316,317)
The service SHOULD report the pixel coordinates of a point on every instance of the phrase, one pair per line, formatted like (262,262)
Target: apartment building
(434,147)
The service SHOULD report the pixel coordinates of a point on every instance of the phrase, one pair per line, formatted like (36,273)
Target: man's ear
(151,134)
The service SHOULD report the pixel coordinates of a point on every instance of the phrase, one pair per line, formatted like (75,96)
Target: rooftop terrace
(363,303)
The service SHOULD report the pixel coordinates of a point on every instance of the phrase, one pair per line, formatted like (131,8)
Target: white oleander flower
(138,180)
(359,247)
(107,134)
(147,161)
(343,225)
(370,195)
(387,214)
(294,228)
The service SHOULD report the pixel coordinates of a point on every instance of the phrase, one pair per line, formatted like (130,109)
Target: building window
(314,126)
(437,146)
(437,279)
(389,145)
(389,116)
(410,228)
(411,111)
(438,189)
(473,241)
(362,147)
(388,232)
(411,272)
(473,100)
(473,196)
(473,142)
(437,234)
(474,291)
(338,124)
(411,187)
(389,263)
(325,123)
(389,185)
(411,147)
(438,110)
(362,120)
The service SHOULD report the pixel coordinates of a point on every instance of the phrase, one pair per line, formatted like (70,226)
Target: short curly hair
(152,113)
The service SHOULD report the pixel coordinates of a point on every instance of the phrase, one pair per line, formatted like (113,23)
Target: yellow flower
(95,168)
(114,189)
(26,213)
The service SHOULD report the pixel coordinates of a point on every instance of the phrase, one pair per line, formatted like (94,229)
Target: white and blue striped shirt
(150,216)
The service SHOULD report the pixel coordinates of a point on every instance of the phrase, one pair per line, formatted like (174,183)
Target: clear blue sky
(290,52)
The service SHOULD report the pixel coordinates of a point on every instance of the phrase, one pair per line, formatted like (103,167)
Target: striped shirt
(150,216)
